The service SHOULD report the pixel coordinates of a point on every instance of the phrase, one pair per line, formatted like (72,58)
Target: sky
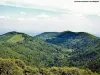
(36,16)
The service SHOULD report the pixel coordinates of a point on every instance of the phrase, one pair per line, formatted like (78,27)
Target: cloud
(84,8)
(21,19)
(99,14)
(23,13)
(25,16)
(2,17)
(43,16)
(43,22)
(5,17)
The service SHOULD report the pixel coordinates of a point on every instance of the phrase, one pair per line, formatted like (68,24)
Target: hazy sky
(49,15)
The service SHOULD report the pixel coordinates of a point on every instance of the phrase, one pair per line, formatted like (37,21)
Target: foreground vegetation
(18,67)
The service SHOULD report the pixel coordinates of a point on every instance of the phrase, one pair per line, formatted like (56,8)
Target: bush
(7,67)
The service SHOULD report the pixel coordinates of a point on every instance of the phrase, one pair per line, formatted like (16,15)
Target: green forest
(49,53)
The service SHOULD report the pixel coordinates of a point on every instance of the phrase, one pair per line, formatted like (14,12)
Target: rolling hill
(72,49)
(47,35)
(85,48)
(32,51)
(72,40)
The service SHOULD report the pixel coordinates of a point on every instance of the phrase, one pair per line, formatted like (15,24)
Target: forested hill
(85,48)
(47,35)
(72,40)
(33,51)
(65,49)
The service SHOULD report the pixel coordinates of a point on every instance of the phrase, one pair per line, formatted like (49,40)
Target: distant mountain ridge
(69,39)
(47,35)
(64,34)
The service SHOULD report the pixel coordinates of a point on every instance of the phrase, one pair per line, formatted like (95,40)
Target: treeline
(18,67)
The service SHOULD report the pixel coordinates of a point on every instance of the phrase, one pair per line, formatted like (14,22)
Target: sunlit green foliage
(16,38)
(8,67)
(47,35)
(18,67)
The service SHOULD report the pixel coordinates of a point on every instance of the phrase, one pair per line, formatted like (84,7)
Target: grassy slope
(47,35)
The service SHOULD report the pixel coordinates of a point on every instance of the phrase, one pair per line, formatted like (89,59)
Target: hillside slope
(33,51)
(47,35)
(85,48)
(73,40)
